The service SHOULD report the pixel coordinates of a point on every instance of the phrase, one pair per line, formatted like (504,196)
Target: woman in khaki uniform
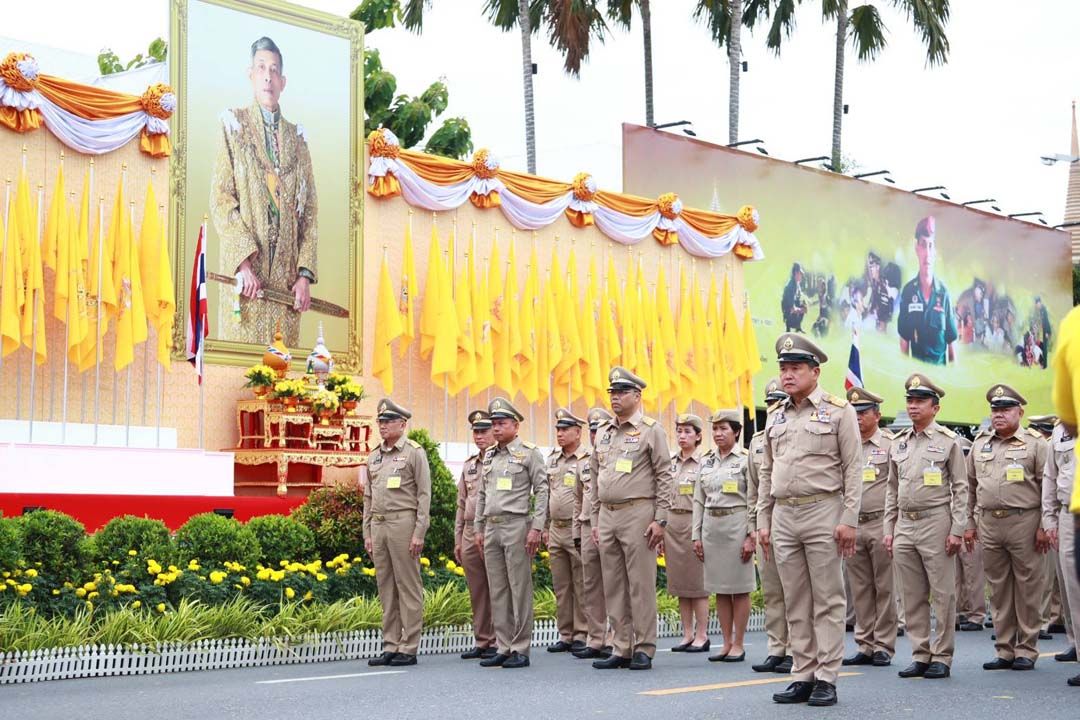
(685,571)
(722,537)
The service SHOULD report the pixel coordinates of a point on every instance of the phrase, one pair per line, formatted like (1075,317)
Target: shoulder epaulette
(947,432)
(759,433)
(649,422)
(774,406)
(1035,433)
(740,450)
(582,452)
(414,443)
(888,434)
(527,445)
(837,401)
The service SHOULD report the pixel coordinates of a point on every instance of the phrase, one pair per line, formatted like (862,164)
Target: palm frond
(867,32)
(572,25)
(503,14)
(929,17)
(783,24)
(412,14)
(755,10)
(716,16)
(621,11)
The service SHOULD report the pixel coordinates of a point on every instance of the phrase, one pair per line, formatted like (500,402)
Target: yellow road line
(724,686)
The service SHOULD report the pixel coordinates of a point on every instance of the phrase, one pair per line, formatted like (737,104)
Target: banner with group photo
(967,297)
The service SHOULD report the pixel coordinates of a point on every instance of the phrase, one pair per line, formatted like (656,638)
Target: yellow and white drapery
(530,203)
(88,119)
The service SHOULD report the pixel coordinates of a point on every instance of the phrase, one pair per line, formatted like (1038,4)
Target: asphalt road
(558,686)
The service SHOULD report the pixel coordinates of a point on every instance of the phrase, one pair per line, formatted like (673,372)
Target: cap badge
(915,382)
(788,343)
(855,397)
(999,391)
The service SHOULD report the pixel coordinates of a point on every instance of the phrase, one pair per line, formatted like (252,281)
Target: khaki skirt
(685,573)
(722,537)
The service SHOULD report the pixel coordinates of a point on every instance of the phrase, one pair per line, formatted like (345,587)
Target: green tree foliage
(282,538)
(335,514)
(56,540)
(109,62)
(148,537)
(214,540)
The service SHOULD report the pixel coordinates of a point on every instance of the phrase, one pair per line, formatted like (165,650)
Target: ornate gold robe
(266,213)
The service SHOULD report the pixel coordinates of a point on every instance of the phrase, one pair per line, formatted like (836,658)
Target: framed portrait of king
(269,152)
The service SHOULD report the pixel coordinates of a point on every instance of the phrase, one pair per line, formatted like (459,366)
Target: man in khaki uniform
(465,551)
(511,479)
(1053,608)
(870,569)
(811,476)
(631,496)
(1058,478)
(598,644)
(562,537)
(1005,469)
(397,503)
(778,659)
(925,515)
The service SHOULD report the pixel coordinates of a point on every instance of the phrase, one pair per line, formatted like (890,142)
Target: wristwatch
(662,523)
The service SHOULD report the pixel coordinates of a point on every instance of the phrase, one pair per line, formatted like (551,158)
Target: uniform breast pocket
(780,438)
(820,437)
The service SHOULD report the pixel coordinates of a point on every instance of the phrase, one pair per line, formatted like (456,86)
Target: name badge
(504,483)
(569,480)
(730,487)
(869,474)
(1014,473)
(915,307)
(393,482)
(931,477)
(624,465)
(686,488)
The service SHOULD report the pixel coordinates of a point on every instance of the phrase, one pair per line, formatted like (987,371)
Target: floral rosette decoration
(581,208)
(383,150)
(485,168)
(20,100)
(669,206)
(748,220)
(159,103)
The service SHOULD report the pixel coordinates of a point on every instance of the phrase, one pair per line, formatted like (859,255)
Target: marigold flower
(245,580)
(133,553)
(290,593)
(137,604)
(160,607)
(308,595)
(25,588)
(80,593)
(31,573)
(459,571)
(217,576)
(425,562)
(55,591)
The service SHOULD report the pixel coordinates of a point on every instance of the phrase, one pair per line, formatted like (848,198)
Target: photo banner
(967,297)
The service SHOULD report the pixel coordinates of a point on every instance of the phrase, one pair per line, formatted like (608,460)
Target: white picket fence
(110,660)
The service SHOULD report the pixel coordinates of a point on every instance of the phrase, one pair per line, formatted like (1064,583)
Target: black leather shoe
(824,694)
(1043,635)
(561,646)
(613,662)
(515,661)
(496,660)
(797,692)
(998,664)
(587,653)
(899,632)
(606,651)
(577,645)
(718,657)
(915,669)
(784,668)
(769,665)
(736,658)
(402,659)
(989,623)
(969,626)
(681,647)
(1073,681)
(641,661)
(381,660)
(489,652)
(1056,629)
(849,628)
(881,659)
(475,654)
(936,671)
(1023,664)
(1067,656)
(704,647)
(859,658)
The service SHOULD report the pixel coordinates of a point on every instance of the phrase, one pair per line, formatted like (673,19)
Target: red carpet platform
(93,511)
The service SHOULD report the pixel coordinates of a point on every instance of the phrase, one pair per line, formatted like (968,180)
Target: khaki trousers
(776,627)
(566,581)
(1052,610)
(811,575)
(592,585)
(898,591)
(928,575)
(479,596)
(1015,572)
(1067,574)
(849,598)
(970,586)
(509,573)
(629,567)
(870,570)
(397,574)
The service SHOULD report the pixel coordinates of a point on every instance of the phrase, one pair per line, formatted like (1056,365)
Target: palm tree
(620,11)
(867,31)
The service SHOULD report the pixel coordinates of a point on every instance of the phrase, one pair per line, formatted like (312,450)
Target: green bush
(10,546)
(440,535)
(335,514)
(55,540)
(282,538)
(214,540)
(147,537)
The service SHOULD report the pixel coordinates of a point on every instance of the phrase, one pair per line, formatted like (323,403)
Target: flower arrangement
(324,402)
(290,389)
(350,391)
(334,380)
(260,376)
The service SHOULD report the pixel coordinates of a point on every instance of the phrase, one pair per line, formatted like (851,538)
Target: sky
(978,125)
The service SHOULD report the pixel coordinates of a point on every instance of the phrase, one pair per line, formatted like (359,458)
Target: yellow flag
(703,351)
(733,343)
(753,359)
(149,248)
(628,316)
(387,329)
(429,313)
(527,378)
(33,313)
(725,396)
(684,341)
(498,307)
(54,236)
(609,346)
(567,374)
(11,285)
(667,335)
(131,317)
(166,299)
(653,364)
(642,331)
(616,297)
(88,349)
(550,348)
(100,276)
(60,219)
(445,350)
(592,371)
(483,342)
(465,369)
(75,291)
(409,289)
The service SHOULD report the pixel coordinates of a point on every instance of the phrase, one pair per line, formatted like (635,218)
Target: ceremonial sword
(285,298)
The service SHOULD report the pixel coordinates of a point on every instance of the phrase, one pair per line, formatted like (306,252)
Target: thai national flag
(854,371)
(198,318)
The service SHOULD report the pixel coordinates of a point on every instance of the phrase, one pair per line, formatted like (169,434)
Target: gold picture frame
(225,352)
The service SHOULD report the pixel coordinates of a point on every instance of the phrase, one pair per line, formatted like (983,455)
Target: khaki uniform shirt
(875,472)
(399,478)
(927,471)
(467,490)
(685,474)
(811,449)
(564,486)
(755,454)
(724,483)
(511,478)
(632,461)
(1058,476)
(1006,472)
(585,482)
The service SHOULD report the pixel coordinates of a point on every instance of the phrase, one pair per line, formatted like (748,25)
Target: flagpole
(446,380)
(97,325)
(146,344)
(202,369)
(3,255)
(89,247)
(34,323)
(18,355)
(160,393)
(116,375)
(412,328)
(67,317)
(127,390)
(67,338)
